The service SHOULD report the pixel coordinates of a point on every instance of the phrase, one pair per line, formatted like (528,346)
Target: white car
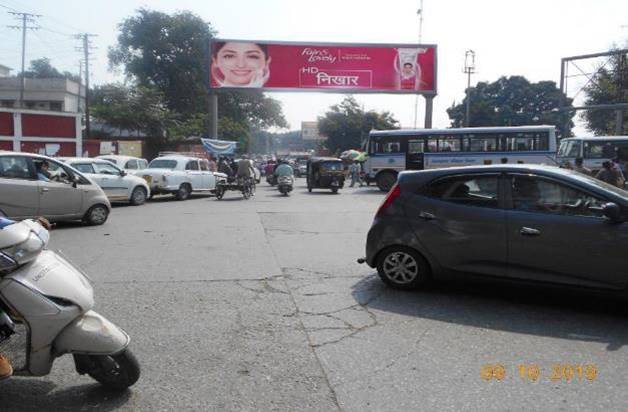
(115,182)
(180,176)
(130,164)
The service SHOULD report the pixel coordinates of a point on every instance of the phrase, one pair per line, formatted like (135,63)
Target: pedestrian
(579,167)
(212,164)
(354,173)
(610,175)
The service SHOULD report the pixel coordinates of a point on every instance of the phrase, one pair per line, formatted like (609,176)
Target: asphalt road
(259,305)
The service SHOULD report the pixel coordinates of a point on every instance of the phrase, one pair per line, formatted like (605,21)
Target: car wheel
(184,192)
(403,268)
(96,215)
(334,190)
(386,180)
(138,197)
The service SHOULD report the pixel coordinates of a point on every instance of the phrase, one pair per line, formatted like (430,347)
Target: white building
(62,95)
(4,71)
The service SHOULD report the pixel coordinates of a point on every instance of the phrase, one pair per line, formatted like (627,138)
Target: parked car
(130,164)
(59,193)
(181,176)
(115,182)
(513,222)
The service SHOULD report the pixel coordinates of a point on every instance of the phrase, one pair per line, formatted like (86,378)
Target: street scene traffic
(219,222)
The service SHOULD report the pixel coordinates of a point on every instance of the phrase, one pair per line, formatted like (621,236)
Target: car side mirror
(612,212)
(122,173)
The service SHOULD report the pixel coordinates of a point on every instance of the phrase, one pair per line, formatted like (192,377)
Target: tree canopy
(168,53)
(609,85)
(514,101)
(347,124)
(43,69)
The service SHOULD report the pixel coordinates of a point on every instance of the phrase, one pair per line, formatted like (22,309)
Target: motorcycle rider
(284,169)
(245,168)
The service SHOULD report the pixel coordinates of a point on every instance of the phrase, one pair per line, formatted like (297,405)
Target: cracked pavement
(259,305)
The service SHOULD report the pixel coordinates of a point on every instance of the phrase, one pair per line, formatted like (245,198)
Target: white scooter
(48,303)
(285,184)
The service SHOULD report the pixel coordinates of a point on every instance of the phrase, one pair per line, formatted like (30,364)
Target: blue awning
(219,147)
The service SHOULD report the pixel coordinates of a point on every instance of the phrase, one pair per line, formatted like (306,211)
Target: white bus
(593,150)
(392,151)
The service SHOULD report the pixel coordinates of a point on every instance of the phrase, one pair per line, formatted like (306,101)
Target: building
(5,71)
(61,95)
(44,132)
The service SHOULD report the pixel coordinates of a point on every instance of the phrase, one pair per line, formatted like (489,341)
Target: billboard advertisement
(332,67)
(309,131)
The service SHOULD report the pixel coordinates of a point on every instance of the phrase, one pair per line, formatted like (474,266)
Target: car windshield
(162,164)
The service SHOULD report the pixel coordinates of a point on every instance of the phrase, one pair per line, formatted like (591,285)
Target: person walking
(610,175)
(354,173)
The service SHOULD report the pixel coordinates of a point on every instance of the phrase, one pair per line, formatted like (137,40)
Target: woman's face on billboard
(240,63)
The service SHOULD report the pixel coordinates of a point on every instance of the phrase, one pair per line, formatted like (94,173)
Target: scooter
(285,184)
(271,179)
(47,305)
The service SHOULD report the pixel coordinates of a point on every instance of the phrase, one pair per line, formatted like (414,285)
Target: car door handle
(44,189)
(528,231)
(426,216)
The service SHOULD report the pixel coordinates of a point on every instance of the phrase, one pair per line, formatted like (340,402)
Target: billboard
(309,131)
(332,67)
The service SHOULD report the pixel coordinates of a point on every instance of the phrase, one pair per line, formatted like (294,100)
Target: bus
(393,151)
(593,150)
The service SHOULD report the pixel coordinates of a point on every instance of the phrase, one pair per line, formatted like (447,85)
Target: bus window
(599,150)
(415,146)
(432,145)
(480,143)
(449,144)
(391,147)
(570,148)
(527,142)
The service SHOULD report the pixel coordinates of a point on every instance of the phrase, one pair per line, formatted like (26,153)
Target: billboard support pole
(213,116)
(429,100)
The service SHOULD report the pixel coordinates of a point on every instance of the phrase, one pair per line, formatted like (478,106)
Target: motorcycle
(285,184)
(271,179)
(46,312)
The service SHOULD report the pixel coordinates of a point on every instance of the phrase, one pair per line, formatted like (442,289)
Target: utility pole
(416,98)
(85,48)
(26,18)
(469,69)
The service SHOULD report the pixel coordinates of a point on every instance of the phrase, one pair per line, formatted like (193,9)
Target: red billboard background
(323,67)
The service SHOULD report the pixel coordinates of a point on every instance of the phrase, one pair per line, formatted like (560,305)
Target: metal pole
(213,115)
(467,116)
(416,98)
(86,55)
(22,80)
(429,100)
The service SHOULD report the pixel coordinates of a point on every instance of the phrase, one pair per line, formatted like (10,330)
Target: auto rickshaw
(325,173)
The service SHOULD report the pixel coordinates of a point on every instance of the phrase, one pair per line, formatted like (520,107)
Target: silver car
(34,185)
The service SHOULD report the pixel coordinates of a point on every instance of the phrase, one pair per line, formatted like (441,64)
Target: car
(60,194)
(509,222)
(117,184)
(181,176)
(130,164)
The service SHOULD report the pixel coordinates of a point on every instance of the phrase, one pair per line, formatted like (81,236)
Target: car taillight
(394,193)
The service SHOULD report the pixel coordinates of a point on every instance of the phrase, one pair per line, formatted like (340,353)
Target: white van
(593,150)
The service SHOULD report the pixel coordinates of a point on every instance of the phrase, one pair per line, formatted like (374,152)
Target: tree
(135,108)
(347,125)
(609,85)
(42,69)
(168,53)
(514,101)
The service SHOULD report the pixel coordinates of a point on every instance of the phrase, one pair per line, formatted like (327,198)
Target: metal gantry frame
(618,107)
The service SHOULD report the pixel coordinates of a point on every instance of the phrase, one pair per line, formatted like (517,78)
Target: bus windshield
(570,148)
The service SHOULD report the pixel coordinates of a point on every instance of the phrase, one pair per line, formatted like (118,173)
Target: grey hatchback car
(512,222)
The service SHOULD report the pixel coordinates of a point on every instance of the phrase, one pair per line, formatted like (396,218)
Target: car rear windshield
(331,166)
(162,164)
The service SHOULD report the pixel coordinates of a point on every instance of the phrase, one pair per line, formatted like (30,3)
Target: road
(259,305)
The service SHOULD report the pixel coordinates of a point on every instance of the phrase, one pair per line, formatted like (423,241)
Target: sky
(509,37)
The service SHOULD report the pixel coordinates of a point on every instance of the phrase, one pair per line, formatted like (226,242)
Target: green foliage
(610,85)
(347,125)
(42,69)
(514,101)
(168,53)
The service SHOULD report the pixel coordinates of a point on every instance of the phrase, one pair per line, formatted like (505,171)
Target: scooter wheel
(115,371)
